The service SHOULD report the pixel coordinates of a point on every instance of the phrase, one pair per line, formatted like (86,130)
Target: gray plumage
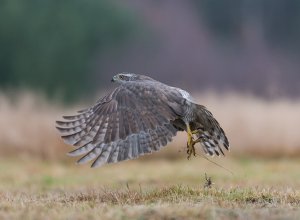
(140,116)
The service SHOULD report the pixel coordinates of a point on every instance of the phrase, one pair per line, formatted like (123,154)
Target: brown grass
(27,127)
(37,183)
(254,126)
(160,189)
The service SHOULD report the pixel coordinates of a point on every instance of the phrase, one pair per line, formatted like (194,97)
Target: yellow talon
(190,143)
(195,132)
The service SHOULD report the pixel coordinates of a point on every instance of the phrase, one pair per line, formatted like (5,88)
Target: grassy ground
(168,187)
(150,189)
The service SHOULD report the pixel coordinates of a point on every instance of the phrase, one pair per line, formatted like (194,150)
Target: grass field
(38,180)
(150,189)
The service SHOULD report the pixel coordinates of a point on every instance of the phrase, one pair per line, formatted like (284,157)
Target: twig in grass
(208,182)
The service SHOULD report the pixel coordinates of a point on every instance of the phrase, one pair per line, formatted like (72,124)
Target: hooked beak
(114,79)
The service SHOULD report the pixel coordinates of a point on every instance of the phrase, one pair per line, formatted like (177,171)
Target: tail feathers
(214,141)
(210,134)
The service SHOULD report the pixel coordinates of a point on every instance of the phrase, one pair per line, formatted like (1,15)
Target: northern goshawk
(140,116)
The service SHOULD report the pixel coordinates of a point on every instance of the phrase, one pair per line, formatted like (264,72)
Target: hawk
(138,117)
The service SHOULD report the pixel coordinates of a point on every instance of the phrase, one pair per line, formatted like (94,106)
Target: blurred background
(240,58)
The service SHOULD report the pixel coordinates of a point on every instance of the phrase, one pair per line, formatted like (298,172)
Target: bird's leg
(195,132)
(190,143)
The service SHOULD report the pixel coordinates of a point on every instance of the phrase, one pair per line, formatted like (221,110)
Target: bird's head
(126,77)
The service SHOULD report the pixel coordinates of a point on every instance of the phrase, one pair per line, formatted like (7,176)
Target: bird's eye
(121,77)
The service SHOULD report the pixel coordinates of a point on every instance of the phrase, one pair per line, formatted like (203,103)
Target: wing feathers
(91,155)
(134,146)
(130,121)
(82,150)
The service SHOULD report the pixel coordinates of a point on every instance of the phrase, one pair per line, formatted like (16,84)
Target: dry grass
(36,181)
(254,126)
(33,189)
(27,127)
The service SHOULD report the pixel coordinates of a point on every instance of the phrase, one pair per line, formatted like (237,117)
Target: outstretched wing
(133,120)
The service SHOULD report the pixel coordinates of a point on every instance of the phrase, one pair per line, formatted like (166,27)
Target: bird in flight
(140,116)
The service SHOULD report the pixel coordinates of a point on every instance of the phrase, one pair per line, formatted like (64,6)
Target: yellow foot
(190,143)
(195,132)
(190,151)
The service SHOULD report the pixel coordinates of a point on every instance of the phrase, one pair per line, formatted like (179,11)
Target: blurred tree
(280,19)
(222,16)
(50,44)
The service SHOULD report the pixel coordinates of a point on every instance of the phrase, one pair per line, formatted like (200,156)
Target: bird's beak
(113,79)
